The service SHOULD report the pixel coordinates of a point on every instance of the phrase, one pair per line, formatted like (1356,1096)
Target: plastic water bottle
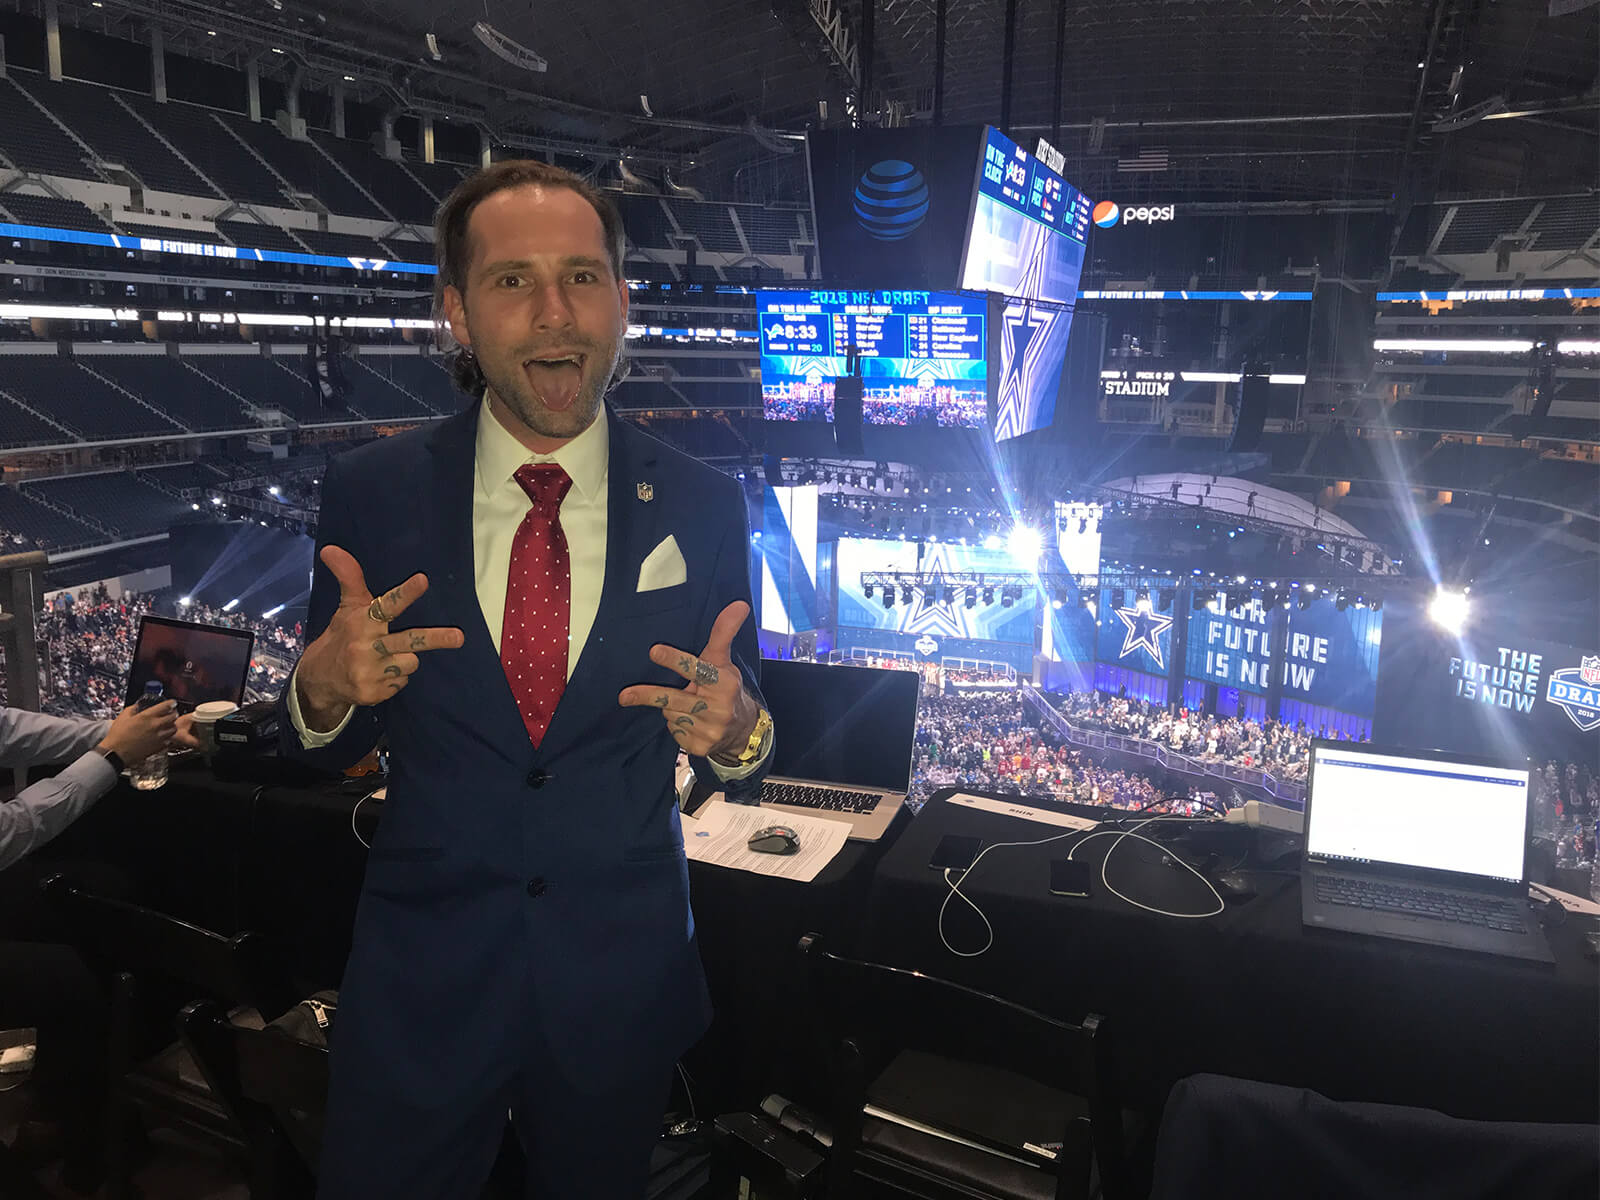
(150,774)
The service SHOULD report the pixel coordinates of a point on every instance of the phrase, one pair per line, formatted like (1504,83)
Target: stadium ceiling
(1223,100)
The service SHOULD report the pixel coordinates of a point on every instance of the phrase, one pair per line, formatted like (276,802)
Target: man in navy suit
(524,941)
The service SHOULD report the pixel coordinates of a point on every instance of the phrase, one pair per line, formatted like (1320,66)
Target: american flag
(1145,160)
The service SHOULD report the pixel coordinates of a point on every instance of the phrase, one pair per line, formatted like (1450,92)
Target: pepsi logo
(1107,213)
(891,200)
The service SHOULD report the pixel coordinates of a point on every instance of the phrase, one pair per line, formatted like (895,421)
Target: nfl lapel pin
(645,491)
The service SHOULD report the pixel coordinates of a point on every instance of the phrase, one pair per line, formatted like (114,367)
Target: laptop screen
(1443,814)
(195,663)
(846,725)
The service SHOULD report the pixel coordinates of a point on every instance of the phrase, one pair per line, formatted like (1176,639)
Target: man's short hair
(452,239)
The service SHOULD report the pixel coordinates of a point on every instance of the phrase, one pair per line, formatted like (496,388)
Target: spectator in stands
(45,986)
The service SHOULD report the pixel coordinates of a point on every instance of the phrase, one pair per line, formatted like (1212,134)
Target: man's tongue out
(555,383)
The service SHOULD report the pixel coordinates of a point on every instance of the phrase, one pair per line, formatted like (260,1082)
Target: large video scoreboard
(922,355)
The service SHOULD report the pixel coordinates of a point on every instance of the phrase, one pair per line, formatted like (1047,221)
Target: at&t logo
(1107,213)
(891,200)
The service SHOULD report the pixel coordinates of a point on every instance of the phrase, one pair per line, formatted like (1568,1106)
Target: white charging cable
(1134,833)
(353,813)
(955,890)
(955,886)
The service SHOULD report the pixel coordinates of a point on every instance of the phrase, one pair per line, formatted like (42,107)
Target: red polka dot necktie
(533,638)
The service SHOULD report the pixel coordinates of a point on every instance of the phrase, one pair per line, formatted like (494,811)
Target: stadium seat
(97,115)
(168,383)
(69,392)
(306,168)
(115,500)
(32,140)
(255,236)
(52,212)
(395,183)
(50,528)
(204,140)
(711,223)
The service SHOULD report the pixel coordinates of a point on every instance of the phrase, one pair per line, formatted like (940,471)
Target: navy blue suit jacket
(509,885)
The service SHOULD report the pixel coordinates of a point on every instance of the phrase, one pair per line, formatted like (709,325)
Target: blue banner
(1329,658)
(1231,649)
(1133,635)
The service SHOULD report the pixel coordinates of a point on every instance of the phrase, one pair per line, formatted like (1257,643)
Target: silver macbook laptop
(1421,846)
(844,742)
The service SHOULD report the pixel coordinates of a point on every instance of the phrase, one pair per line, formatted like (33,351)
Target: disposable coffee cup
(206,717)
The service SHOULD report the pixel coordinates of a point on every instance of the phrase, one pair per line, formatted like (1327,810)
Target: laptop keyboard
(802,795)
(1485,911)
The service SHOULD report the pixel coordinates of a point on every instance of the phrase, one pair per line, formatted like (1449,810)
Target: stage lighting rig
(972,598)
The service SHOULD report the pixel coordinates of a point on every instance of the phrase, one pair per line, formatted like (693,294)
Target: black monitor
(845,725)
(194,663)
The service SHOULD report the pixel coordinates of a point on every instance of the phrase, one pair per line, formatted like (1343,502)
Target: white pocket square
(663,567)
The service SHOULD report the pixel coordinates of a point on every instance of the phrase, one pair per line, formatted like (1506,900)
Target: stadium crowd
(86,643)
(989,741)
(1273,746)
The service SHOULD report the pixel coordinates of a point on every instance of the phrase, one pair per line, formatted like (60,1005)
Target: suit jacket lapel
(454,446)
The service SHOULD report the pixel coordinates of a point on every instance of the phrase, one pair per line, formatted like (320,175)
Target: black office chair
(153,954)
(275,1088)
(1237,1139)
(945,1091)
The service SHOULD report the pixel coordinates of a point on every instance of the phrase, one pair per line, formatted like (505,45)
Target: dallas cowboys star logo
(1144,632)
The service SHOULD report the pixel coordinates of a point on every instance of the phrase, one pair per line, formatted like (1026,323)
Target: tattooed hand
(714,714)
(357,660)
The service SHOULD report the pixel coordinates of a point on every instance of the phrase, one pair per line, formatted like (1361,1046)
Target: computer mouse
(1236,884)
(775,839)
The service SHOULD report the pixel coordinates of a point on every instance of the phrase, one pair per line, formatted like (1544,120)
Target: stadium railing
(1287,790)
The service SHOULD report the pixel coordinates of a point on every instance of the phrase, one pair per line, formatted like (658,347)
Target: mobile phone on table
(954,853)
(1068,877)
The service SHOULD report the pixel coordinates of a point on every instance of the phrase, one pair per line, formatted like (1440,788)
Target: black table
(284,859)
(1249,992)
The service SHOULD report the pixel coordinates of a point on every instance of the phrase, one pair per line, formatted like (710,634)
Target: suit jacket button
(538,777)
(536,887)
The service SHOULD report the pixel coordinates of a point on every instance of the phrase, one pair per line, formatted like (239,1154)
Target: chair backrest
(867,1004)
(241,969)
(274,1086)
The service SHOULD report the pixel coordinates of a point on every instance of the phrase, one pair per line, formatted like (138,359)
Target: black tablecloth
(284,860)
(1249,992)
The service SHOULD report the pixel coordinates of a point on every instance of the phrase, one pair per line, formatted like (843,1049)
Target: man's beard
(508,377)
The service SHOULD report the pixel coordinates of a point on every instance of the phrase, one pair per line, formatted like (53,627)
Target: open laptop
(1419,845)
(844,742)
(195,663)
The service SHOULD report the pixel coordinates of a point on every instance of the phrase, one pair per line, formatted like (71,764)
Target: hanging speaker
(847,393)
(1253,393)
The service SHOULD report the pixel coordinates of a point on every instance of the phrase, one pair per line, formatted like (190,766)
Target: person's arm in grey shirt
(39,812)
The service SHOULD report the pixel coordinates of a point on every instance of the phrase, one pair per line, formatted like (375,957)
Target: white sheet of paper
(1007,808)
(720,834)
(1576,904)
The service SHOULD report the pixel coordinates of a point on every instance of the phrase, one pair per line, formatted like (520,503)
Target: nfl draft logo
(1577,691)
(927,647)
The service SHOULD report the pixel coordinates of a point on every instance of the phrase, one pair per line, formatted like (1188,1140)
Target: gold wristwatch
(757,744)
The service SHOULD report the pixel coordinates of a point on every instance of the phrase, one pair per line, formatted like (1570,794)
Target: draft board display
(922,355)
